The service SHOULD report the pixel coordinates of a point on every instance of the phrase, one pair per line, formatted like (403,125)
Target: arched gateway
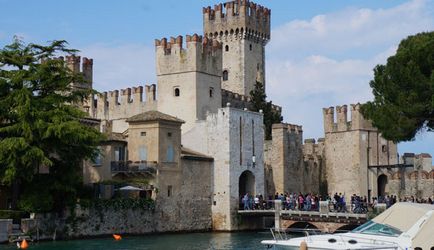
(246,183)
(381,185)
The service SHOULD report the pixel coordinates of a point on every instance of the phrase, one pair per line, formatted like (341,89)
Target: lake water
(190,241)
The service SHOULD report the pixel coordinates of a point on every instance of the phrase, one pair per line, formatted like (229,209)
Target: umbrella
(130,188)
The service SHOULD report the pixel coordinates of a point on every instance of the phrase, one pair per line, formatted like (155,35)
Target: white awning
(130,188)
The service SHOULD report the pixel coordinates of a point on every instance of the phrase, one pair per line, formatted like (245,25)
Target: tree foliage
(404,90)
(258,99)
(39,123)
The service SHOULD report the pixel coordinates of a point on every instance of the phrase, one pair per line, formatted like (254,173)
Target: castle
(194,140)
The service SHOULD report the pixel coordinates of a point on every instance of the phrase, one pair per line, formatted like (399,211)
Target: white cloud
(351,29)
(121,66)
(328,60)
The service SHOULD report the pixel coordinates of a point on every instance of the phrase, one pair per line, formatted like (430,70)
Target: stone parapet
(341,123)
(241,19)
(201,54)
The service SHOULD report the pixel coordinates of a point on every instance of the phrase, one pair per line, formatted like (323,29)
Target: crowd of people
(389,200)
(290,201)
(310,202)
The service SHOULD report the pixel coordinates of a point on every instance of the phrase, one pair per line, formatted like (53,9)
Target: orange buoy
(117,237)
(24,244)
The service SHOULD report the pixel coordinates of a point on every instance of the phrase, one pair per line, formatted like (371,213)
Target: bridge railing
(360,208)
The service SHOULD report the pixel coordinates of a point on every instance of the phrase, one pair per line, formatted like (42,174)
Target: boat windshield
(377,229)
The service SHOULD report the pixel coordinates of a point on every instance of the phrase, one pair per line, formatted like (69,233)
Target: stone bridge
(322,220)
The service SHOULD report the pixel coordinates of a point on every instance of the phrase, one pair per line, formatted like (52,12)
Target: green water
(239,240)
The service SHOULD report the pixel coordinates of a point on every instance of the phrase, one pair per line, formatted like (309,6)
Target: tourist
(246,201)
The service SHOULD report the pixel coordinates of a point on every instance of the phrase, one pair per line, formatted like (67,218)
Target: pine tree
(39,126)
(404,90)
(258,99)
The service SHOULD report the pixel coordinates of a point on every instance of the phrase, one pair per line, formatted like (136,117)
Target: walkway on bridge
(321,219)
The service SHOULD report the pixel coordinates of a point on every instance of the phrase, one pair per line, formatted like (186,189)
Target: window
(98,158)
(169,191)
(384,148)
(119,153)
(143,154)
(169,134)
(176,91)
(250,47)
(211,92)
(170,154)
(225,75)
(227,48)
(142,133)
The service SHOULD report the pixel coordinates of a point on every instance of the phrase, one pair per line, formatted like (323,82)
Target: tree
(404,90)
(41,126)
(258,99)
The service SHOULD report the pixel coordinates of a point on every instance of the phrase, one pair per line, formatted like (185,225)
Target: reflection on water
(239,240)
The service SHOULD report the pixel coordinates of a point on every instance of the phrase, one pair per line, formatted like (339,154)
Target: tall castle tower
(243,29)
(352,150)
(189,78)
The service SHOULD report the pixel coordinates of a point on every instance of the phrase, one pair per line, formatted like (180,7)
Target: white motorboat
(403,226)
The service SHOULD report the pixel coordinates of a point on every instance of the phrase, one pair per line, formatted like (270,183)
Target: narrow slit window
(225,75)
(169,191)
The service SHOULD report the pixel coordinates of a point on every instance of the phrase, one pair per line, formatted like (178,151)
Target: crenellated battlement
(290,128)
(342,122)
(200,54)
(241,101)
(312,150)
(241,19)
(123,103)
(78,66)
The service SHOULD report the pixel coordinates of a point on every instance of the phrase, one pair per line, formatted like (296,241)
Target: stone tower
(189,79)
(243,29)
(353,151)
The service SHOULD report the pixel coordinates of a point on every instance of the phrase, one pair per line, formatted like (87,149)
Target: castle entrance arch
(381,185)
(246,183)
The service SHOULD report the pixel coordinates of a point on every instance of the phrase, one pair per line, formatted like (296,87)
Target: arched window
(227,48)
(225,75)
(176,92)
(211,92)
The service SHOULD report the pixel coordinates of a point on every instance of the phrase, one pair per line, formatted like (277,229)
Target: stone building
(204,81)
(194,140)
(354,158)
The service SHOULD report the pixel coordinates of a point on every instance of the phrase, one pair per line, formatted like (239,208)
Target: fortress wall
(284,158)
(241,101)
(417,183)
(124,103)
(350,146)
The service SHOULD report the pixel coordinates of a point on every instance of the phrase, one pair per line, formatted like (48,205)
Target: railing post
(277,206)
(323,207)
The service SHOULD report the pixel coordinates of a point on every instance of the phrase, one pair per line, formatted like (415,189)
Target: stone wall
(124,103)
(5,229)
(284,159)
(416,183)
(350,146)
(232,136)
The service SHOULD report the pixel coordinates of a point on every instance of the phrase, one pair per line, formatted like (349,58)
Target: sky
(321,53)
